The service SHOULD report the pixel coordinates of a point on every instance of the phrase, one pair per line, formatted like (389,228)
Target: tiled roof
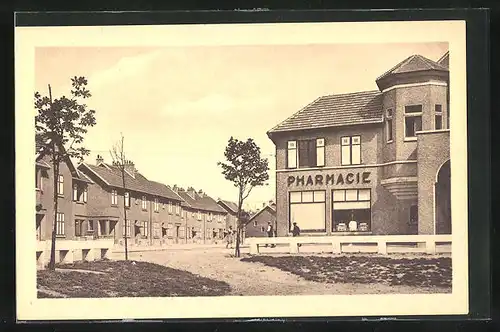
(112,176)
(336,110)
(83,177)
(205,202)
(230,205)
(412,64)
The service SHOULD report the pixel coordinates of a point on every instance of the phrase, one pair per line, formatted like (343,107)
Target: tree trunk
(237,246)
(52,262)
(125,215)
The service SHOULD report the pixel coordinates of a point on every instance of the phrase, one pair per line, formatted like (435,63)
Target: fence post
(254,248)
(430,247)
(337,249)
(382,247)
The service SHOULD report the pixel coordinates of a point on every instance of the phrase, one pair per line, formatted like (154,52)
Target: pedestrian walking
(229,238)
(296,231)
(270,232)
(214,236)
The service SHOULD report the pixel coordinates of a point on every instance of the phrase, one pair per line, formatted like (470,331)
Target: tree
(118,155)
(247,170)
(60,126)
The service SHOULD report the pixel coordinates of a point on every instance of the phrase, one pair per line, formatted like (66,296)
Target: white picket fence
(405,243)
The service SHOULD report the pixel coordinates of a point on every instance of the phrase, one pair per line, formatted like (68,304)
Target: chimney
(263,205)
(201,193)
(191,192)
(99,159)
(175,188)
(130,168)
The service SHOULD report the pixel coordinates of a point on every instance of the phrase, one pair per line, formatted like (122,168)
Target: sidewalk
(177,246)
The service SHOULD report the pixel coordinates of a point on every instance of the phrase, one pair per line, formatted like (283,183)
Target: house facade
(153,211)
(258,222)
(205,218)
(371,162)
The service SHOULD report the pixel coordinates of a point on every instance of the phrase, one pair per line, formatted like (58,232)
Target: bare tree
(118,156)
(246,169)
(61,125)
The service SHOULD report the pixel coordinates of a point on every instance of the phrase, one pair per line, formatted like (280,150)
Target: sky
(177,107)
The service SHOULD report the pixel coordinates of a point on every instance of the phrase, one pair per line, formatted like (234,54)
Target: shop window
(388,126)
(351,210)
(350,150)
(438,117)
(307,209)
(413,120)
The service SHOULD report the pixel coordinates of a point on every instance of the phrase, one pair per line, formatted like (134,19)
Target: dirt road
(251,279)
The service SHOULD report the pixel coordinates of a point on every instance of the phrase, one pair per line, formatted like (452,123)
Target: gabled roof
(39,161)
(228,205)
(111,176)
(267,207)
(413,63)
(201,202)
(336,110)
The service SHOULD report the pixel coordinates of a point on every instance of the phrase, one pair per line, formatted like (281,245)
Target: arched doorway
(442,195)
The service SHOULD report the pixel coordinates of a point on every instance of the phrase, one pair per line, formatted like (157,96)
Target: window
(307,209)
(255,223)
(209,216)
(78,227)
(126,231)
(156,205)
(292,154)
(156,230)
(351,205)
(199,215)
(438,117)
(320,152)
(170,230)
(178,208)
(170,207)
(127,199)
(145,228)
(413,215)
(144,203)
(60,224)
(75,192)
(388,125)
(114,197)
(85,194)
(350,150)
(60,185)
(413,120)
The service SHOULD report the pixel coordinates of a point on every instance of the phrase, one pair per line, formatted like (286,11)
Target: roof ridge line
(403,62)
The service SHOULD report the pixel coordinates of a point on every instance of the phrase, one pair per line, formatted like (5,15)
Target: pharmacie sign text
(329,179)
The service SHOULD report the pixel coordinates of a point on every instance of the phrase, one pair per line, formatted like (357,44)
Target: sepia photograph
(310,167)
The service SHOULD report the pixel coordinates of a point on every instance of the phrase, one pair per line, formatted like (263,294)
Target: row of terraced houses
(91,198)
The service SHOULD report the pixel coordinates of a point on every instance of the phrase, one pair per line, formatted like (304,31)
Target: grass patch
(417,272)
(125,279)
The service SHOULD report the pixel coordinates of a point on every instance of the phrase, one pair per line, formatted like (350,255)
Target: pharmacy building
(371,162)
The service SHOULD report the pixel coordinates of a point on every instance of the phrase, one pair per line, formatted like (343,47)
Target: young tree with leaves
(247,170)
(119,160)
(60,128)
